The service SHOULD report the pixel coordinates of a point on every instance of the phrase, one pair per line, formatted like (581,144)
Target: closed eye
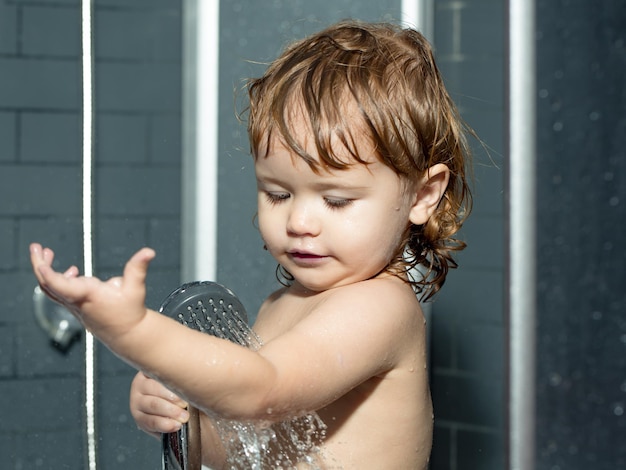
(276,197)
(337,203)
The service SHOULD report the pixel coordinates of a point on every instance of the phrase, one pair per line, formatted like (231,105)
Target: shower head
(213,309)
(60,325)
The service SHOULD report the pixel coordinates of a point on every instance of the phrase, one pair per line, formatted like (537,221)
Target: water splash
(281,445)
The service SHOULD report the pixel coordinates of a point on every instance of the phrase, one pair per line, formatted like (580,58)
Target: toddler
(360,161)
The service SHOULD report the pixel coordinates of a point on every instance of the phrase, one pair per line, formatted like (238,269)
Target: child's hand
(108,309)
(155,409)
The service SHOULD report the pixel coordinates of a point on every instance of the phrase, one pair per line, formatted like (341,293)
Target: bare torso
(386,421)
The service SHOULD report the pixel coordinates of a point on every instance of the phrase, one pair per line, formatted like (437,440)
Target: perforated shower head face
(211,308)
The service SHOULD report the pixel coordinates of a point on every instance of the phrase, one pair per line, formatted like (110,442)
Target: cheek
(370,232)
(271,226)
(383,230)
(262,221)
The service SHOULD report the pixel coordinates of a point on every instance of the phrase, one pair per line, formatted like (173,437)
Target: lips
(305,258)
(298,254)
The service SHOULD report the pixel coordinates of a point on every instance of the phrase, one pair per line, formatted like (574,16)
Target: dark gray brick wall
(137,187)
(467,322)
(137,202)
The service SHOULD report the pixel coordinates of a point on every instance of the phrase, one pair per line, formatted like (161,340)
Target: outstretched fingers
(108,309)
(55,284)
(136,269)
(68,288)
(40,257)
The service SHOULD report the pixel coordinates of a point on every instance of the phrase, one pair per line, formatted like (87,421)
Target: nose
(302,220)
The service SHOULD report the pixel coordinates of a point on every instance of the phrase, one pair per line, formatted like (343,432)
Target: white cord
(87,71)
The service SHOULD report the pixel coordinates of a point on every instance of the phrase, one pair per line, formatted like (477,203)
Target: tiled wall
(252,34)
(137,202)
(137,198)
(467,329)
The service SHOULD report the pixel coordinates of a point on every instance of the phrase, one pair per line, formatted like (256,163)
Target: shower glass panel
(136,202)
(581,186)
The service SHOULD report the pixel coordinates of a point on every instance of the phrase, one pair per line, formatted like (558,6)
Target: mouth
(303,257)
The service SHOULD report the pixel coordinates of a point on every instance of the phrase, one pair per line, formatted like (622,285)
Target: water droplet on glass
(555,379)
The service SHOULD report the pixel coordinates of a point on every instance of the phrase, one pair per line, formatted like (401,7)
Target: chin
(311,286)
(317,286)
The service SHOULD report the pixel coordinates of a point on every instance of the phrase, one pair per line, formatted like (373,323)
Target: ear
(430,190)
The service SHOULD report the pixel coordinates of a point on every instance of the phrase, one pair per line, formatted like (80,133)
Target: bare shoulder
(383,310)
(387,287)
(380,297)
(388,332)
(273,297)
(268,304)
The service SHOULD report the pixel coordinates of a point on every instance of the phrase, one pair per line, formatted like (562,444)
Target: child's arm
(338,346)
(194,365)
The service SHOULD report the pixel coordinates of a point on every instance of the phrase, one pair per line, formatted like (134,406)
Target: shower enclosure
(67,407)
(144,190)
(94,199)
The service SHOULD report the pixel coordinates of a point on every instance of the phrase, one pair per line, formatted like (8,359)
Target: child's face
(333,228)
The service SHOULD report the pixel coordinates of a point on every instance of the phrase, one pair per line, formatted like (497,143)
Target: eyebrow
(320,186)
(338,185)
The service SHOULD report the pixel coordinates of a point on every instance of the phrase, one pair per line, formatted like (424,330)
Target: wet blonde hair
(390,74)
